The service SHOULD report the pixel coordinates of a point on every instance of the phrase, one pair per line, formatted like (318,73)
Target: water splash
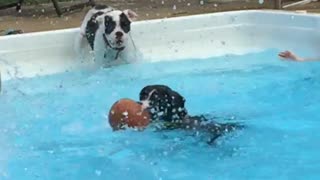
(174,7)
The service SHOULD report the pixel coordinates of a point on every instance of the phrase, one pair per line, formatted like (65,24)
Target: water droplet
(143,157)
(188,4)
(162,2)
(125,113)
(201,2)
(127,142)
(165,153)
(164,170)
(233,19)
(215,5)
(97,172)
(153,163)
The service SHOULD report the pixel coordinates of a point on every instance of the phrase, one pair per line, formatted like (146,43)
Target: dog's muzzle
(118,49)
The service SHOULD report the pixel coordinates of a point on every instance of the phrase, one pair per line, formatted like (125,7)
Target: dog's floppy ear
(130,14)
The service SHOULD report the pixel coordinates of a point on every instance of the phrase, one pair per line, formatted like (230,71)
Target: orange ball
(128,113)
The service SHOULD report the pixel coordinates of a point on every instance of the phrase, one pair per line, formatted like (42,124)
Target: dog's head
(163,103)
(116,25)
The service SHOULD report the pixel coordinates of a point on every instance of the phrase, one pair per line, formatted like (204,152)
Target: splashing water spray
(134,45)
(0,83)
(146,103)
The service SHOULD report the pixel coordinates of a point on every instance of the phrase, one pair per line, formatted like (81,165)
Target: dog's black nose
(119,34)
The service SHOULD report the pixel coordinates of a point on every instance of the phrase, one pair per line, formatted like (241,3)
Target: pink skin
(287,55)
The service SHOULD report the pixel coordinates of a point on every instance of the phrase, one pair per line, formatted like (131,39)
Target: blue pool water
(54,127)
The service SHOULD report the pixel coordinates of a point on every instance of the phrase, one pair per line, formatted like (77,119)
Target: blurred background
(42,15)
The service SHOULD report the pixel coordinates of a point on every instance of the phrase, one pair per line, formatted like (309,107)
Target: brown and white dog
(105,32)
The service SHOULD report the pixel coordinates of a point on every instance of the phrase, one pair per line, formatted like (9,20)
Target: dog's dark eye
(109,24)
(124,23)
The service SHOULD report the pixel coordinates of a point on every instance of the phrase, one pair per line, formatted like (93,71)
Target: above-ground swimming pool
(53,108)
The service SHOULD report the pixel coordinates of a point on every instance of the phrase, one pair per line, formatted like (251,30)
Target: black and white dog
(163,103)
(167,109)
(104,31)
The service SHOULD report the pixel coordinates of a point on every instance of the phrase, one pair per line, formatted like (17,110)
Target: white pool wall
(199,36)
